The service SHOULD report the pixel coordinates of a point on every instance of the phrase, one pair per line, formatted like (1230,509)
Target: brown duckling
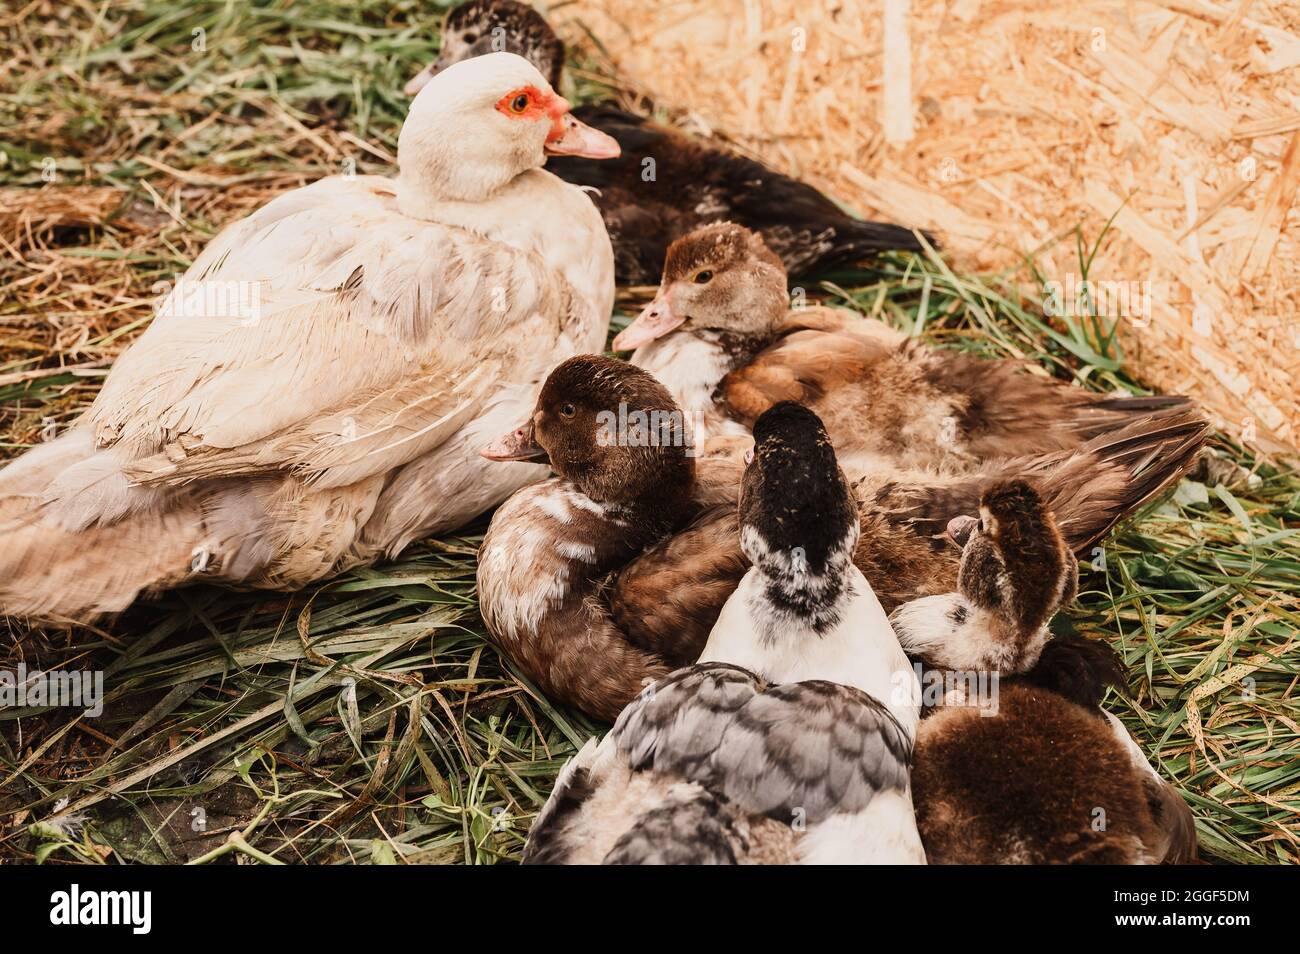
(790,741)
(722,337)
(1034,772)
(550,548)
(666,183)
(613,573)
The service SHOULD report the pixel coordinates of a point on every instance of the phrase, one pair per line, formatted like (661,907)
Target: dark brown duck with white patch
(1034,772)
(614,572)
(551,548)
(692,182)
(722,337)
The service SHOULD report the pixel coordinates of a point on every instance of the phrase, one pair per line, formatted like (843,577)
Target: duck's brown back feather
(696,182)
(880,393)
(658,598)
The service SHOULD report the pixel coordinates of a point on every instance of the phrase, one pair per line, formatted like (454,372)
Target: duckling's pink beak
(960,528)
(569,137)
(655,321)
(519,444)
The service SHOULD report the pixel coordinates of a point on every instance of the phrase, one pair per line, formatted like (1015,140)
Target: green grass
(368,719)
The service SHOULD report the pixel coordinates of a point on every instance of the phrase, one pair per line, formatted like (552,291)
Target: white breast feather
(691,368)
(526,566)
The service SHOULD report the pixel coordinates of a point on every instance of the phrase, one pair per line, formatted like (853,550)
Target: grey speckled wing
(694,827)
(815,747)
(677,724)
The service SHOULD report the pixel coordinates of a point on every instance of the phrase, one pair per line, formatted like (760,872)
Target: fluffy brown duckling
(694,182)
(1034,772)
(790,741)
(551,548)
(722,337)
(613,573)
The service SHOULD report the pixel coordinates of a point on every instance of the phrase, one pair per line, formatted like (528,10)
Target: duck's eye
(567,411)
(704,277)
(519,103)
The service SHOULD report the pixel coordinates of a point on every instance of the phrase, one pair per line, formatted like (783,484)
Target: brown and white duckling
(1036,773)
(693,182)
(480,27)
(550,548)
(722,337)
(790,740)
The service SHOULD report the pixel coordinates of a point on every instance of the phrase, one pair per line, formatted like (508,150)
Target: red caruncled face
(530,103)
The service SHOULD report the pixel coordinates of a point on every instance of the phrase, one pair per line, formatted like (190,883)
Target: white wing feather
(373,337)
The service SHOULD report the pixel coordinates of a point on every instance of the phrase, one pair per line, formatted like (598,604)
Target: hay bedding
(1019,121)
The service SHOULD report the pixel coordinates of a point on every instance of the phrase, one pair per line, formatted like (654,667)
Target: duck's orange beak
(655,321)
(569,137)
(519,444)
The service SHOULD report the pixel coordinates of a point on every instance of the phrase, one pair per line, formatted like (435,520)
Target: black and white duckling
(693,181)
(790,740)
(722,337)
(1033,771)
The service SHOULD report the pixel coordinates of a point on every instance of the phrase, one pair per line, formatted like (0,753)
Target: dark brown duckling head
(495,26)
(720,278)
(614,432)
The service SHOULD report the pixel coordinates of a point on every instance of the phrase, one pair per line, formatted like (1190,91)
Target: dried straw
(1178,119)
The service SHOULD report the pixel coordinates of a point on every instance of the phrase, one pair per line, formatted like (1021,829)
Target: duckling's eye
(519,103)
(567,411)
(704,277)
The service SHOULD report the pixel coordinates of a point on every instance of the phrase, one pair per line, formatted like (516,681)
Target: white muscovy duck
(315,391)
